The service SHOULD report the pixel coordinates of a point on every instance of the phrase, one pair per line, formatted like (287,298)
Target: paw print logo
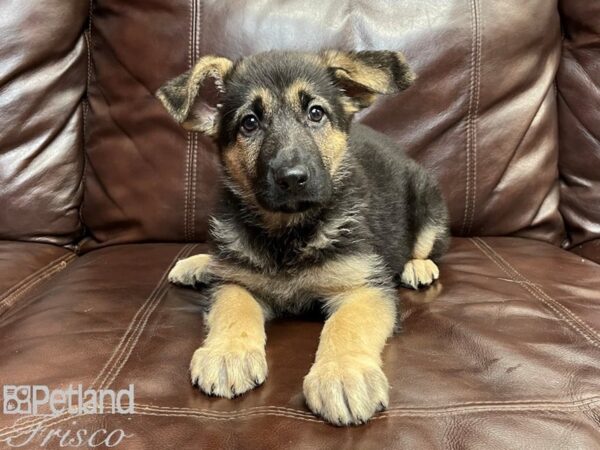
(17,399)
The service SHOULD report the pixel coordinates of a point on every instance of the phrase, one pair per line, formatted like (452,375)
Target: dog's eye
(250,123)
(316,113)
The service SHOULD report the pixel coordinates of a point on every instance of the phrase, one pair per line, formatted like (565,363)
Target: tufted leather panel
(578,82)
(43,69)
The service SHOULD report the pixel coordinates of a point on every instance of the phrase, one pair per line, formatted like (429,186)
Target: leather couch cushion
(25,265)
(589,250)
(505,355)
(482,114)
(42,82)
(578,83)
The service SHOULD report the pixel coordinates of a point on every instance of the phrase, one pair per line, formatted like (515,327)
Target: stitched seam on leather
(194,175)
(381,416)
(29,277)
(468,124)
(534,286)
(86,107)
(25,420)
(399,412)
(28,283)
(194,168)
(405,412)
(495,405)
(90,24)
(225,413)
(589,329)
(560,311)
(117,352)
(499,406)
(186,235)
(144,313)
(141,327)
(476,114)
(527,285)
(471,120)
(189,135)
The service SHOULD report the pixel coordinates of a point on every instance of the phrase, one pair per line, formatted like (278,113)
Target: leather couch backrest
(43,66)
(482,114)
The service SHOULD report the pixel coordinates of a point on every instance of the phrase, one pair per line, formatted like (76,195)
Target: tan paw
(228,371)
(190,271)
(419,273)
(348,391)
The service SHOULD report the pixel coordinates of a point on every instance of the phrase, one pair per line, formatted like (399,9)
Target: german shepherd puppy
(315,210)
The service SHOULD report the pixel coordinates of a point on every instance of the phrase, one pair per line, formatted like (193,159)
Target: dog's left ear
(192,97)
(365,75)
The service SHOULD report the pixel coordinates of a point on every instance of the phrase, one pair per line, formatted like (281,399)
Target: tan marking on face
(241,157)
(426,240)
(292,93)
(266,96)
(333,144)
(239,161)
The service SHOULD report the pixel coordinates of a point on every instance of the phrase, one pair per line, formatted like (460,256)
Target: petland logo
(37,400)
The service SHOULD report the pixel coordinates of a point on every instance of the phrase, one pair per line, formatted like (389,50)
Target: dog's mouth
(287,205)
(299,206)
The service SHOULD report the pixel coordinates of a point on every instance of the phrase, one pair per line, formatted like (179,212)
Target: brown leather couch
(101,192)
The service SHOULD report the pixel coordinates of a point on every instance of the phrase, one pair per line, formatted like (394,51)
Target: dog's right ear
(365,75)
(188,97)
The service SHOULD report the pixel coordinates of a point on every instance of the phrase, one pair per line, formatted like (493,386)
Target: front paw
(190,271)
(419,273)
(228,371)
(346,391)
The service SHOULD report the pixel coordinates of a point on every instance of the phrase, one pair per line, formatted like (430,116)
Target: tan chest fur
(328,279)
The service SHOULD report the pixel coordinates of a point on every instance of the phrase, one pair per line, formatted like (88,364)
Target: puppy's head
(281,119)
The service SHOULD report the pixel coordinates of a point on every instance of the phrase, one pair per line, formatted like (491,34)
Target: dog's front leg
(346,385)
(232,359)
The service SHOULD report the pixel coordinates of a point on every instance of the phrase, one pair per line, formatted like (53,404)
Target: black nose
(291,179)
